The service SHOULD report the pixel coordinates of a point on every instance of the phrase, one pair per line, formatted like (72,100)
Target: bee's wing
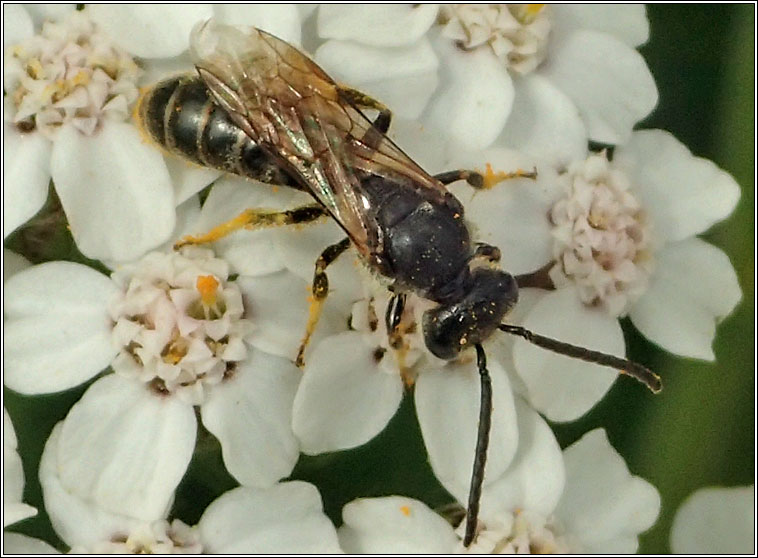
(292,108)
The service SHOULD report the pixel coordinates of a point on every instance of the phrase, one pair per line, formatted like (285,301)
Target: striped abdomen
(179,114)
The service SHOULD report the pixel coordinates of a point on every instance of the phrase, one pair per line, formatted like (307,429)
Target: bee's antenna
(636,371)
(482,441)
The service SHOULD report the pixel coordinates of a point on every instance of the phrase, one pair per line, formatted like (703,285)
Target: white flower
(241,520)
(616,238)
(716,521)
(344,402)
(553,76)
(14,509)
(178,333)
(70,93)
(585,501)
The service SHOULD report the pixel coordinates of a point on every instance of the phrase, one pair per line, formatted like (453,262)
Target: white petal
(608,81)
(344,398)
(536,477)
(117,210)
(187,214)
(188,179)
(683,194)
(26,176)
(75,520)
(474,98)
(49,12)
(693,287)
(57,330)
(377,25)
(17,25)
(142,29)
(403,78)
(251,415)
(512,215)
(627,22)
(16,543)
(603,505)
(544,122)
(284,519)
(447,405)
(282,20)
(277,304)
(394,525)
(560,387)
(126,448)
(12,264)
(716,521)
(14,510)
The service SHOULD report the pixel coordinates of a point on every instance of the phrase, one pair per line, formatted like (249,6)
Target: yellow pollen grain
(207,286)
(405,510)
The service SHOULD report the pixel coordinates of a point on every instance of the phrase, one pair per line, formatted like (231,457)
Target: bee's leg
(257,219)
(319,290)
(392,319)
(361,100)
(483,180)
(394,314)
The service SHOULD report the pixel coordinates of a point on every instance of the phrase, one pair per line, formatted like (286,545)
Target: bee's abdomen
(179,114)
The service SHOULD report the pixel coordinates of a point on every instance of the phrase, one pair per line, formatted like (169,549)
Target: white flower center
(601,237)
(158,537)
(397,353)
(522,532)
(70,72)
(516,33)
(178,322)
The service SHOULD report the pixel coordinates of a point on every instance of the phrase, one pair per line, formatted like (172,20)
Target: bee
(260,108)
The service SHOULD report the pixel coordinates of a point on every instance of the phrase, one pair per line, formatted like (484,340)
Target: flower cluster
(178,346)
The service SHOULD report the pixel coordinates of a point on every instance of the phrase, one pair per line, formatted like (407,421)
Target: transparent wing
(292,108)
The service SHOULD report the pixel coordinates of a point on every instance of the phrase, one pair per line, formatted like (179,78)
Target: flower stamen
(601,237)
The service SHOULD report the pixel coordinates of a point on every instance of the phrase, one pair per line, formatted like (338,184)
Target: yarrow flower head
(70,91)
(602,237)
(70,72)
(178,322)
(178,333)
(581,500)
(599,239)
(238,521)
(516,34)
(531,77)
(157,537)
(374,374)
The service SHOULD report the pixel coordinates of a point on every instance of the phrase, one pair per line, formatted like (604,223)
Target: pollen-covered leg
(483,180)
(361,100)
(319,290)
(395,330)
(257,219)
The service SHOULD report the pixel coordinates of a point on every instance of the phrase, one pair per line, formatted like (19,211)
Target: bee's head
(453,326)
